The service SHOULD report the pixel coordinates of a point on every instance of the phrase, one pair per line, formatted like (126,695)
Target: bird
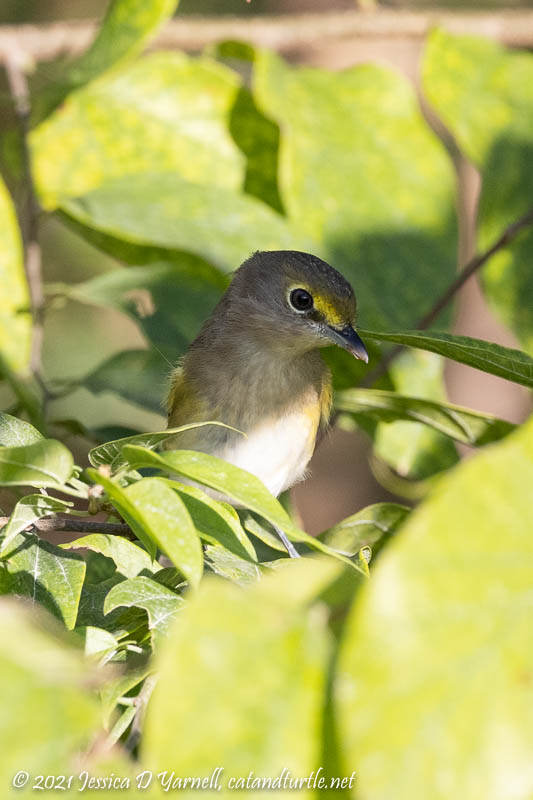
(256,366)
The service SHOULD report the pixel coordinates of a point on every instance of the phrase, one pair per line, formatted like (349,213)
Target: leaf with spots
(159,518)
(241,486)
(436,652)
(160,603)
(381,205)
(32,567)
(15,432)
(166,112)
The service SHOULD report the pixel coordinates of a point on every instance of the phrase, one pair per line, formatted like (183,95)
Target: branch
(15,62)
(475,264)
(56,524)
(285,33)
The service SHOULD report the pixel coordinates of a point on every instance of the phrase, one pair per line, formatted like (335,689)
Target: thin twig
(141,702)
(15,63)
(286,33)
(57,524)
(475,264)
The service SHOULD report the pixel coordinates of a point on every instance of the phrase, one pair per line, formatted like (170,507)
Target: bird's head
(295,301)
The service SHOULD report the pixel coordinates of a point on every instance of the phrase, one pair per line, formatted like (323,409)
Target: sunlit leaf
(226,564)
(216,522)
(165,113)
(161,209)
(34,568)
(48,713)
(160,603)
(364,176)
(371,527)
(15,432)
(487,356)
(27,511)
(260,668)
(110,452)
(461,424)
(129,558)
(436,651)
(236,483)
(159,518)
(44,463)
(126,29)
(15,320)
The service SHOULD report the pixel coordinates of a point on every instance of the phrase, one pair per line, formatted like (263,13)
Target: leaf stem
(16,62)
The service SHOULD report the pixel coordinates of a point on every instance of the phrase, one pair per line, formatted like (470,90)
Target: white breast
(277,451)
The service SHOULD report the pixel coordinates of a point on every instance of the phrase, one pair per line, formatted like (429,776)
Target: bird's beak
(349,339)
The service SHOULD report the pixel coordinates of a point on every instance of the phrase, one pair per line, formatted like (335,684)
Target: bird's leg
(289,547)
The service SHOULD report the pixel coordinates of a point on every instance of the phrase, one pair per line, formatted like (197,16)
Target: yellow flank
(326,399)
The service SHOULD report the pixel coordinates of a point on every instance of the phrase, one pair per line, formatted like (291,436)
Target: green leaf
(513,365)
(371,527)
(15,319)
(162,210)
(413,450)
(165,113)
(126,29)
(27,511)
(111,452)
(169,301)
(461,424)
(165,516)
(258,138)
(14,432)
(216,522)
(91,608)
(483,93)
(129,558)
(259,667)
(241,486)
(158,516)
(48,714)
(97,643)
(381,205)
(226,564)
(113,690)
(44,463)
(435,652)
(139,376)
(160,603)
(32,567)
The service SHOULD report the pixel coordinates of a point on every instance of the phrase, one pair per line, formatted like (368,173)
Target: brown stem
(76,525)
(286,33)
(29,211)
(509,234)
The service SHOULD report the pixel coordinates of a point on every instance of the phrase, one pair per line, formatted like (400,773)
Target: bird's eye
(301,300)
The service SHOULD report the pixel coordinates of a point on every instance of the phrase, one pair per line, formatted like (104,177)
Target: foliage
(414,672)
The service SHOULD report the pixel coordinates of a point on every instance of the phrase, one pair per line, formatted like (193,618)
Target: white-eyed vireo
(256,366)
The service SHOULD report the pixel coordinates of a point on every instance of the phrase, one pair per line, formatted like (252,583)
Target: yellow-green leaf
(15,320)
(434,696)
